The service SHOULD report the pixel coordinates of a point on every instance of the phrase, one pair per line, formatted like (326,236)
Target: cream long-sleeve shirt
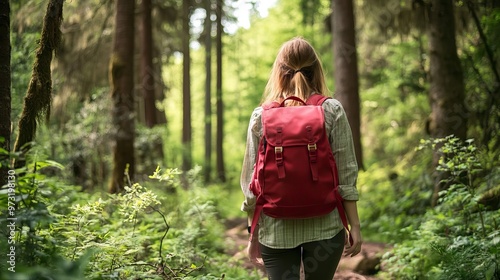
(290,233)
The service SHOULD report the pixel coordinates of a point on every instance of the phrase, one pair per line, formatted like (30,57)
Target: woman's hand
(353,241)
(352,249)
(253,251)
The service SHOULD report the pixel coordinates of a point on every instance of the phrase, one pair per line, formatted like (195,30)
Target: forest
(123,126)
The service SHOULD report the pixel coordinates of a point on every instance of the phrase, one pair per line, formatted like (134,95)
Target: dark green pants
(320,259)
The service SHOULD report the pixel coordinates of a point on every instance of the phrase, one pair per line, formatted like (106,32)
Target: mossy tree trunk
(346,68)
(38,98)
(122,94)
(5,89)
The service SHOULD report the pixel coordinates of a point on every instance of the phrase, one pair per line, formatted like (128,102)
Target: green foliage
(159,232)
(458,239)
(25,215)
(396,187)
(82,144)
(394,103)
(22,57)
(481,82)
(393,198)
(61,269)
(149,147)
(64,231)
(112,228)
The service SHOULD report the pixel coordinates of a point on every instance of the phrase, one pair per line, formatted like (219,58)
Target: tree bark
(346,68)
(208,97)
(186,90)
(446,78)
(5,90)
(221,174)
(147,68)
(122,94)
(448,112)
(38,98)
(148,76)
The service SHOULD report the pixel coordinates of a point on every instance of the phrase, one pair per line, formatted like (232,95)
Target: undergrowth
(153,230)
(460,237)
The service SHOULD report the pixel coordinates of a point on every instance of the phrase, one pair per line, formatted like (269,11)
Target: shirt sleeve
(254,134)
(341,142)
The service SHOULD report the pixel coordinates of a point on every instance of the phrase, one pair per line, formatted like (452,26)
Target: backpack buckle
(313,157)
(278,154)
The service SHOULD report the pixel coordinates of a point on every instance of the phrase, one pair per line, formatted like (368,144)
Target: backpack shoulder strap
(316,99)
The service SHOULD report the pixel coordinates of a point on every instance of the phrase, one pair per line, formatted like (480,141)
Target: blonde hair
(297,71)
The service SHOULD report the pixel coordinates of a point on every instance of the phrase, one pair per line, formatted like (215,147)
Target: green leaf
(49,163)
(490,273)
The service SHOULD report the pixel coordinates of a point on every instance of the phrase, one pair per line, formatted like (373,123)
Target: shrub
(458,239)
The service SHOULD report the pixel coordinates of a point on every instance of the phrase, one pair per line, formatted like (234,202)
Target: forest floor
(237,238)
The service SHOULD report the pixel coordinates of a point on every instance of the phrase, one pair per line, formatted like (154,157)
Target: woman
(283,244)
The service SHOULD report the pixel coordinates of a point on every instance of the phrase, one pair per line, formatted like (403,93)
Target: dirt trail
(237,236)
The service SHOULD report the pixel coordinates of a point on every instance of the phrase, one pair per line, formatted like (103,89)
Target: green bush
(458,239)
(393,198)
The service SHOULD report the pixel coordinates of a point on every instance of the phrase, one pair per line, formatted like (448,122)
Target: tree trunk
(186,90)
(38,98)
(5,90)
(122,94)
(148,76)
(147,69)
(221,174)
(346,68)
(448,112)
(208,80)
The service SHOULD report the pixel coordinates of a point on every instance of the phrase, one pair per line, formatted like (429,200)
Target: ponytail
(296,71)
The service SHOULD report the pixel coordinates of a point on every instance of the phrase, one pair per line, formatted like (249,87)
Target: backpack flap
(294,126)
(276,120)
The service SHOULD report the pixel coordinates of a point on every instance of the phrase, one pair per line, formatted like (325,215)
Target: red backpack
(295,174)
